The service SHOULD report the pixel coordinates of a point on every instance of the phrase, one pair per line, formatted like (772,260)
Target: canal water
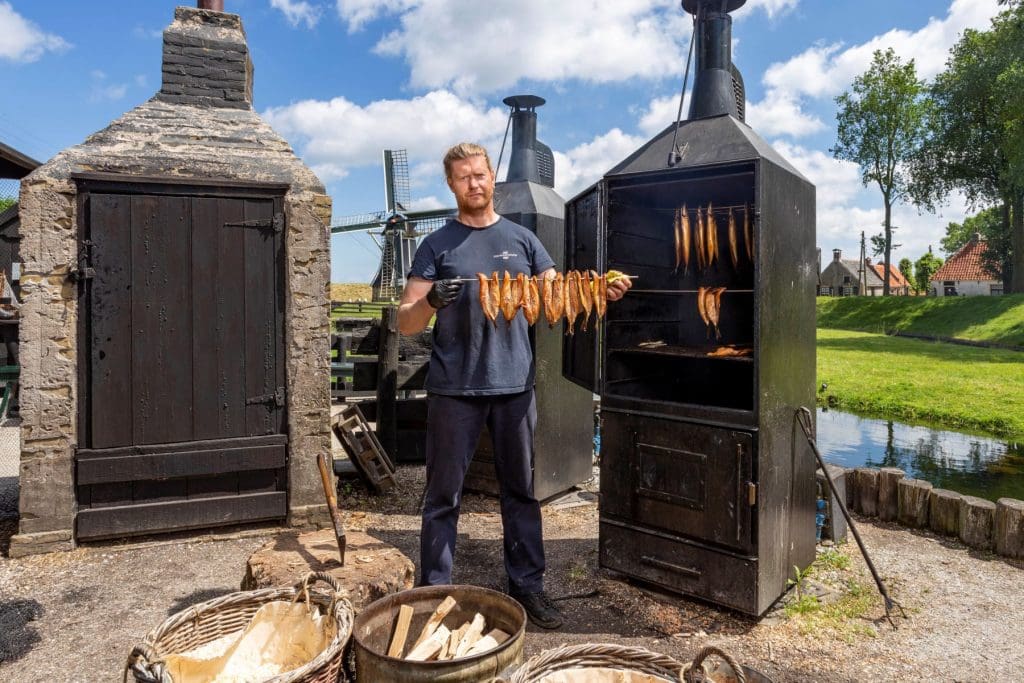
(973,465)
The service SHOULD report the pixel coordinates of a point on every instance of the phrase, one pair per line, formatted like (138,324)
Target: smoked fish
(586,296)
(573,307)
(734,248)
(684,236)
(487,302)
(509,303)
(531,300)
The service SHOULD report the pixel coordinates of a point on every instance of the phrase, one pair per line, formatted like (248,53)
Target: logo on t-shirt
(506,255)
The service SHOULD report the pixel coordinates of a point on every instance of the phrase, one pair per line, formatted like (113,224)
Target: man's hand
(618,289)
(444,292)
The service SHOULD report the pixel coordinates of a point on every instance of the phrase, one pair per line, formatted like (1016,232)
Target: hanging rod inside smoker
(724,208)
(686,291)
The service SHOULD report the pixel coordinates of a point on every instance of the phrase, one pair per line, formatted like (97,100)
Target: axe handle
(332,504)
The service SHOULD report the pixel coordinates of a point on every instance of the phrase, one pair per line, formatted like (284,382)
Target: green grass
(842,614)
(997,319)
(960,387)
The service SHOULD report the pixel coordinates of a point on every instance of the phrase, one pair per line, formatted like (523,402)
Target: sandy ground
(75,616)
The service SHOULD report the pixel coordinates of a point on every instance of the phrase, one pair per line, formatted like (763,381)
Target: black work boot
(539,607)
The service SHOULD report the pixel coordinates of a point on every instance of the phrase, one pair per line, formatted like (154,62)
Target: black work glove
(444,292)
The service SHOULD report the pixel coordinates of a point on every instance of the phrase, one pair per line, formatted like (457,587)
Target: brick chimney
(206,60)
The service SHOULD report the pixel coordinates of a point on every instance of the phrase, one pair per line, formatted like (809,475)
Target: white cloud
(336,135)
(103,90)
(23,41)
(586,163)
(825,70)
(430,203)
(513,40)
(662,111)
(772,8)
(298,12)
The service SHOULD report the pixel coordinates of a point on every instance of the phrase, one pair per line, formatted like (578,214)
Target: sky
(343,80)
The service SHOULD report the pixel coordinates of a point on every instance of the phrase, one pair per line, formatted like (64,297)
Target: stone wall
(162,138)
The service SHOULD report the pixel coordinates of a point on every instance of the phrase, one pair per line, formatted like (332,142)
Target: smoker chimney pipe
(522,164)
(215,5)
(713,90)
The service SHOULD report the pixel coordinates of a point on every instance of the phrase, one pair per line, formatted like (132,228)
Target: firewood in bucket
(431,647)
(434,622)
(469,638)
(398,638)
(493,639)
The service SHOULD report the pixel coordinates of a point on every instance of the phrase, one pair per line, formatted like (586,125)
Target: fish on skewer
(748,233)
(677,230)
(531,300)
(573,307)
(714,308)
(586,296)
(518,285)
(554,298)
(701,307)
(684,236)
(699,240)
(509,303)
(489,303)
(599,287)
(712,239)
(734,249)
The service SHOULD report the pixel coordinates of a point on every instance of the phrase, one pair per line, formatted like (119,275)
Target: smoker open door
(584,251)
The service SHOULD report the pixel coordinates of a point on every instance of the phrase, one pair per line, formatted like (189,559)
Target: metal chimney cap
(691,6)
(526,101)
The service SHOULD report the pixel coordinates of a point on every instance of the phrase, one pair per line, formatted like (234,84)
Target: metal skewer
(473,279)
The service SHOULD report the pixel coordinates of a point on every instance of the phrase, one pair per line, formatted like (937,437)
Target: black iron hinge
(274,224)
(275,399)
(83,270)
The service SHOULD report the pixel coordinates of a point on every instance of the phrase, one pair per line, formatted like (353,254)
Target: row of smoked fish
(703,243)
(568,295)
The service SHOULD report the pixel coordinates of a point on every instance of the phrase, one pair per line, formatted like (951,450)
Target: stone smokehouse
(174,341)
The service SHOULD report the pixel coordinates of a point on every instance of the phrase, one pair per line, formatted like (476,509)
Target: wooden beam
(180,464)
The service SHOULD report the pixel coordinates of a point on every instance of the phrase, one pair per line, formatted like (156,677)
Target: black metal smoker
(707,486)
(564,436)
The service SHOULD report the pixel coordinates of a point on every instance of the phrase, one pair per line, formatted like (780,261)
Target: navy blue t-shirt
(471,356)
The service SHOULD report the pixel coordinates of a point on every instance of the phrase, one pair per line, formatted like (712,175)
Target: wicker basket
(598,656)
(208,621)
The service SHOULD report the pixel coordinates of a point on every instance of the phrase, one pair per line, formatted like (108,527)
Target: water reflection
(974,465)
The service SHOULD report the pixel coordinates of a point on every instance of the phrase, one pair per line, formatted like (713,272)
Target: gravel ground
(74,616)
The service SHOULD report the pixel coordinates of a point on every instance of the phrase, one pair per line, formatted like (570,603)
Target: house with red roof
(898,285)
(965,273)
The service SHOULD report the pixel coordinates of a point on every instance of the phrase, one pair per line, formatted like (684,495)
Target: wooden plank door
(181,418)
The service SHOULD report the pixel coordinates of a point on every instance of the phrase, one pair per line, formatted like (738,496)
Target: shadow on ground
(196,597)
(18,635)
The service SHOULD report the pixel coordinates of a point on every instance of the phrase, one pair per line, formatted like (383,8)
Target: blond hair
(464,150)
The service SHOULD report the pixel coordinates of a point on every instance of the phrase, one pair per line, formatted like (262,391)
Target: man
(479,374)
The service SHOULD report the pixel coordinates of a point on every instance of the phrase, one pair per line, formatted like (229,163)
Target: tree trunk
(1017,242)
(1007,274)
(888,247)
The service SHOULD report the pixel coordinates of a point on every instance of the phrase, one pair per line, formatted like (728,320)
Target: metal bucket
(371,635)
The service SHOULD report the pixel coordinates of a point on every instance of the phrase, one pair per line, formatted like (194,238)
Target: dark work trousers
(454,424)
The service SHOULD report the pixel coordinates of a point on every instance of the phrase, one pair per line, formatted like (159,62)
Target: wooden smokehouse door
(182,417)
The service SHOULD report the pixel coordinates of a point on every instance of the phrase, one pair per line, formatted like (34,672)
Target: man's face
(472,183)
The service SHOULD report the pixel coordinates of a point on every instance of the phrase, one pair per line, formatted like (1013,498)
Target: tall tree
(881,123)
(924,269)
(975,139)
(907,271)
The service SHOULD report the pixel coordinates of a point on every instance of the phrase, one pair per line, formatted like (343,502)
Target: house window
(949,288)
(995,290)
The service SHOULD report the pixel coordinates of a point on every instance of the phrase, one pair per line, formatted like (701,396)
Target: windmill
(395,229)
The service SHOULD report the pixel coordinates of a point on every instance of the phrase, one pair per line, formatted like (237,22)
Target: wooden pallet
(363,448)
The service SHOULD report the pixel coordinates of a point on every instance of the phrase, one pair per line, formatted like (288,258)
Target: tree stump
(976,515)
(866,495)
(888,498)
(851,489)
(912,495)
(372,568)
(1008,528)
(944,512)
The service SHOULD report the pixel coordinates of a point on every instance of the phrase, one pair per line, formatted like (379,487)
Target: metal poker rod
(474,279)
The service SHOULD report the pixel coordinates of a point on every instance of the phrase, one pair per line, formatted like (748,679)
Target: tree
(907,271)
(881,124)
(924,269)
(878,242)
(975,138)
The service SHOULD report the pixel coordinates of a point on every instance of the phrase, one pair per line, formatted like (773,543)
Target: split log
(453,642)
(446,606)
(492,640)
(912,496)
(431,647)
(976,522)
(401,633)
(1008,531)
(888,495)
(866,495)
(944,512)
(472,635)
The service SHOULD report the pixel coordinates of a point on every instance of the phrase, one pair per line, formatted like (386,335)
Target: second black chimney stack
(717,86)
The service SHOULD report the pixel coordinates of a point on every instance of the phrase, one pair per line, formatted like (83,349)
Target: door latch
(275,399)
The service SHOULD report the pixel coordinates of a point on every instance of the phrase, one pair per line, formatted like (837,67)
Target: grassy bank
(979,318)
(955,386)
